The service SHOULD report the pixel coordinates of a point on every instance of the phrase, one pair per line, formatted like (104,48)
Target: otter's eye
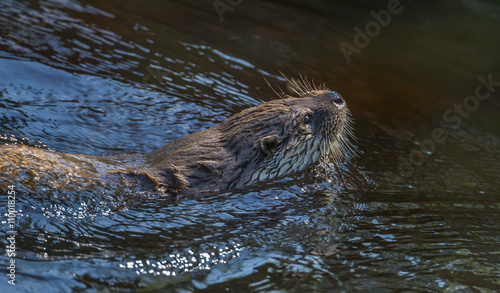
(307,119)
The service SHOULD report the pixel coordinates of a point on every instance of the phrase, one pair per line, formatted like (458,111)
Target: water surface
(110,77)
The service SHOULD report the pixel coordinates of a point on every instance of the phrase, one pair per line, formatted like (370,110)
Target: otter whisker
(305,83)
(314,85)
(297,88)
(296,92)
(293,85)
(281,96)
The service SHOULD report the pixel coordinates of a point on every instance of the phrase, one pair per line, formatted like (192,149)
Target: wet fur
(260,143)
(274,139)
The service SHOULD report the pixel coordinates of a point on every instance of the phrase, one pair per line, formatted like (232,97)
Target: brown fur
(260,143)
(274,139)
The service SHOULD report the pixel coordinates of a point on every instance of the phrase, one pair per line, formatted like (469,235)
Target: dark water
(418,210)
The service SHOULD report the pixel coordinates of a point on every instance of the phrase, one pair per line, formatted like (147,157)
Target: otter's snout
(337,99)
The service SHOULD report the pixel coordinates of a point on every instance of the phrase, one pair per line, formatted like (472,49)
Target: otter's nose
(337,99)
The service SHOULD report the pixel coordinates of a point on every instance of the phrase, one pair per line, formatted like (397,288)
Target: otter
(271,140)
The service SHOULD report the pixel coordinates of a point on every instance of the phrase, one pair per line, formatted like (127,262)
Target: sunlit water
(110,77)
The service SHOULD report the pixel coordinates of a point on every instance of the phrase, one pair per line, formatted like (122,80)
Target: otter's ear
(269,144)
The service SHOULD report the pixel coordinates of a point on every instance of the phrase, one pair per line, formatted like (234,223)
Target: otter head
(313,130)
(286,136)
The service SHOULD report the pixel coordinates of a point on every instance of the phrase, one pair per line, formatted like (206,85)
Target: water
(98,78)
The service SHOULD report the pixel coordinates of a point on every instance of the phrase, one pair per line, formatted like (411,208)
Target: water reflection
(176,264)
(100,78)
